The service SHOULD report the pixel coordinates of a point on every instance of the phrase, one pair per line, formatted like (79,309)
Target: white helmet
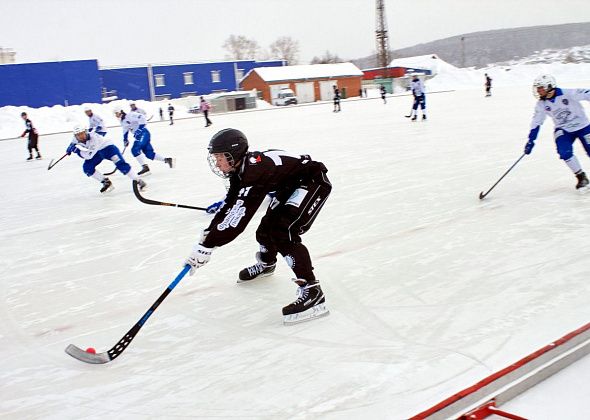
(79,129)
(87,108)
(546,81)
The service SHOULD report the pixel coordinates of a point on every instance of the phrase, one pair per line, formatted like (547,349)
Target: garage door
(274,91)
(327,89)
(304,92)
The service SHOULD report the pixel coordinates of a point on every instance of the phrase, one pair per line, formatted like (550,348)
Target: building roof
(311,71)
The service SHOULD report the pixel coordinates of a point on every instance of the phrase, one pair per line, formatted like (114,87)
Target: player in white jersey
(134,108)
(571,122)
(419,97)
(94,148)
(95,123)
(135,123)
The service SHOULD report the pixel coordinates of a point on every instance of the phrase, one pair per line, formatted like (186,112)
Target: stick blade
(83,356)
(50,163)
(481,195)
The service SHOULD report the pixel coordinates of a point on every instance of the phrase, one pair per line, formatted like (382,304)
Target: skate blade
(583,190)
(109,189)
(144,175)
(173,163)
(317,311)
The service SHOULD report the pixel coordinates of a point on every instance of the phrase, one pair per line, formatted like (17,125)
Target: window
(160,80)
(165,97)
(216,76)
(188,78)
(239,74)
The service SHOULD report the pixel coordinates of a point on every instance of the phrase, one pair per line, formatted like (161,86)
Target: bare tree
(241,48)
(285,48)
(327,58)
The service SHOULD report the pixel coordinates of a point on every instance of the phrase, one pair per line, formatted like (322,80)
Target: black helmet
(232,143)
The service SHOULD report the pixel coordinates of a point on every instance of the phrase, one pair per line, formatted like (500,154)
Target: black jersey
(29,128)
(259,174)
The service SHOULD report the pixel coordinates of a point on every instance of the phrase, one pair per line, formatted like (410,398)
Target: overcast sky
(155,31)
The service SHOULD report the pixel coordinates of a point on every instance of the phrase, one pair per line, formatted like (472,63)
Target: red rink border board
(500,387)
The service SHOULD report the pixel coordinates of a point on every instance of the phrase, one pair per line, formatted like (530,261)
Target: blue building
(159,82)
(78,82)
(50,83)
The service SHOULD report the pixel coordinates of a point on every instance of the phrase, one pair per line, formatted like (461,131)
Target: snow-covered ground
(430,289)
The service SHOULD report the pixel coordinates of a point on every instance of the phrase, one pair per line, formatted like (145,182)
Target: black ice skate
(107,186)
(414,118)
(38,157)
(141,184)
(30,158)
(582,180)
(423,117)
(170,162)
(145,171)
(256,271)
(310,304)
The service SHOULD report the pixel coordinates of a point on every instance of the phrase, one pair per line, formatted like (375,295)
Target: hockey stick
(482,195)
(105,357)
(115,170)
(160,203)
(51,164)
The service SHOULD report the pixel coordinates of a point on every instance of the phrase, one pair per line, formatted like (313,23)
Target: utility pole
(382,36)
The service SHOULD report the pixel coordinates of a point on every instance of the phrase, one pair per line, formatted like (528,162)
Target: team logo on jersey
(255,160)
(565,101)
(548,108)
(234,215)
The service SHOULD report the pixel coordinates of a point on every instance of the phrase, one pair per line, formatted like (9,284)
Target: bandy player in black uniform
(33,136)
(301,188)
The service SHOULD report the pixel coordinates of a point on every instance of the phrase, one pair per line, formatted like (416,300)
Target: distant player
(383,94)
(571,122)
(95,123)
(33,136)
(419,97)
(301,188)
(135,123)
(171,113)
(488,85)
(205,106)
(336,99)
(94,148)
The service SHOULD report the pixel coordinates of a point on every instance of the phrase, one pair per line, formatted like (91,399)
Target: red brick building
(310,83)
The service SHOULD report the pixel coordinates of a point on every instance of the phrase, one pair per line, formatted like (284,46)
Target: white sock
(132,175)
(574,164)
(141,159)
(159,157)
(98,176)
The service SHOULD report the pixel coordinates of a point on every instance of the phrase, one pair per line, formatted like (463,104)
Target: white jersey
(564,108)
(95,122)
(140,111)
(89,148)
(417,87)
(132,121)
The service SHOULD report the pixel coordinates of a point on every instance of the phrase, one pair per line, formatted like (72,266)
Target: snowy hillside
(565,56)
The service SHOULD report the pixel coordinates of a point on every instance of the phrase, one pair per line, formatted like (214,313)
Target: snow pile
(453,78)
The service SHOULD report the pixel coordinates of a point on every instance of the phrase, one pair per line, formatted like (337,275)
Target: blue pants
(142,144)
(564,141)
(108,153)
(421,100)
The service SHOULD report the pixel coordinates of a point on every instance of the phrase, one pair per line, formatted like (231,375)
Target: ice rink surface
(430,289)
